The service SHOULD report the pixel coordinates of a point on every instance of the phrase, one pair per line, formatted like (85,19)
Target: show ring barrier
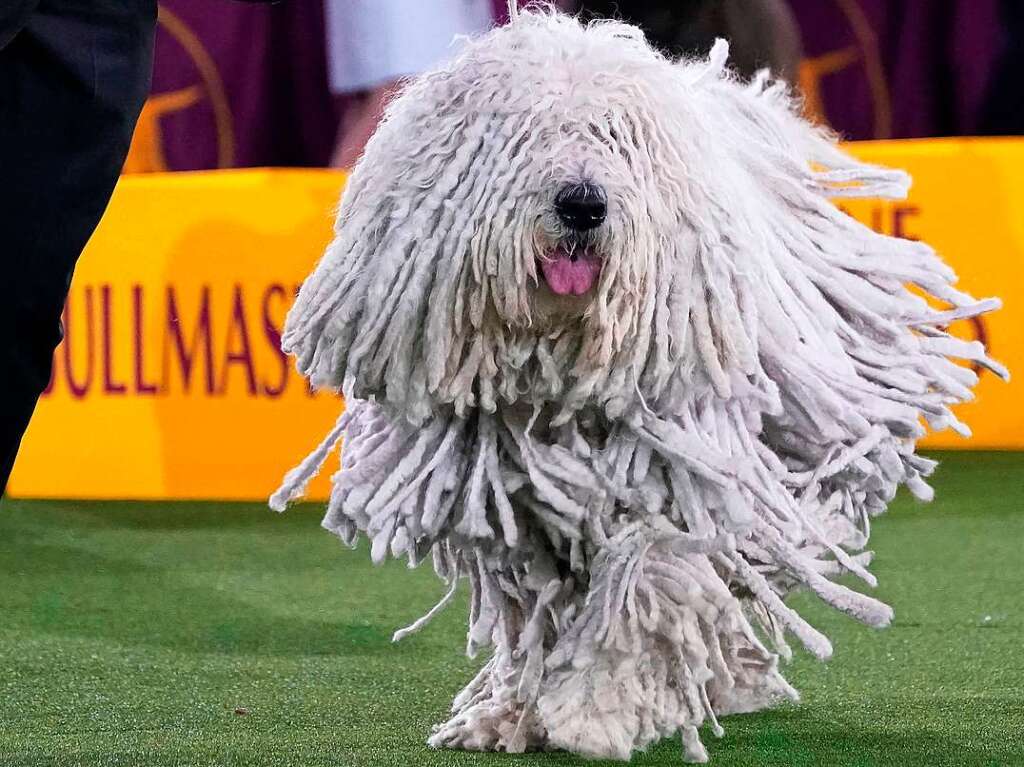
(170,383)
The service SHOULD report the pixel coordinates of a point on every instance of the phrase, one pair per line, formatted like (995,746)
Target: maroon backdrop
(881,68)
(237,84)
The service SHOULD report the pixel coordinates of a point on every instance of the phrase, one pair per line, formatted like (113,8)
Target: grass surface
(131,633)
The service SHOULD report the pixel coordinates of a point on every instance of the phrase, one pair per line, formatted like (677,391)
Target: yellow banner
(967,202)
(170,383)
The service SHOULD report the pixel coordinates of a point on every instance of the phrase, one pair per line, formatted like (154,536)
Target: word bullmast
(142,340)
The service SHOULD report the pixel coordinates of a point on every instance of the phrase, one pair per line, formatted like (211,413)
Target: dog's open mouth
(570,271)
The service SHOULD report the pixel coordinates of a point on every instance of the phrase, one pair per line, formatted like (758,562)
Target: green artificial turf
(224,634)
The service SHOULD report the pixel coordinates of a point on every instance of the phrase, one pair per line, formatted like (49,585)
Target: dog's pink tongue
(565,275)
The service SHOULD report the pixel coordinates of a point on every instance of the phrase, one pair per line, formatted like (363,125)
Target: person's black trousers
(73,77)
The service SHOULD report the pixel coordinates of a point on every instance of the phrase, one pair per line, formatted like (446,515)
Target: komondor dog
(610,354)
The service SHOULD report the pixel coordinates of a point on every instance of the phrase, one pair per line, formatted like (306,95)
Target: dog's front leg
(497,710)
(660,645)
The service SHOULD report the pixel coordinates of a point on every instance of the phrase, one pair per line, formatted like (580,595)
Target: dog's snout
(582,206)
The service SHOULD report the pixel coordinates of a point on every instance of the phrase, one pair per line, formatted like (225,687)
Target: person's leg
(72,82)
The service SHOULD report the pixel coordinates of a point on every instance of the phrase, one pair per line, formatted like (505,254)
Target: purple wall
(241,84)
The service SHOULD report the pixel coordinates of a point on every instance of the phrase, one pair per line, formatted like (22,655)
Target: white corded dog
(610,354)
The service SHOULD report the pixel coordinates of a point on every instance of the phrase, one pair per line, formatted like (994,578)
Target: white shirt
(370,42)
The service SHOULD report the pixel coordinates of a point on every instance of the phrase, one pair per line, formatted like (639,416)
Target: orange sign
(170,383)
(967,201)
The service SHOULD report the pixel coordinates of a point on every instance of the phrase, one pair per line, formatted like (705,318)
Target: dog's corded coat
(633,480)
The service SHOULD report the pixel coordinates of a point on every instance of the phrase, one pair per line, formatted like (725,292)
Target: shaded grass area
(224,634)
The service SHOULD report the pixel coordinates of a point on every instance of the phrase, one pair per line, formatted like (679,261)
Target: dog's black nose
(582,206)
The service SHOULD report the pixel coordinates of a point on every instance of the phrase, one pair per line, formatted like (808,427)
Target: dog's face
(557,144)
(535,221)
